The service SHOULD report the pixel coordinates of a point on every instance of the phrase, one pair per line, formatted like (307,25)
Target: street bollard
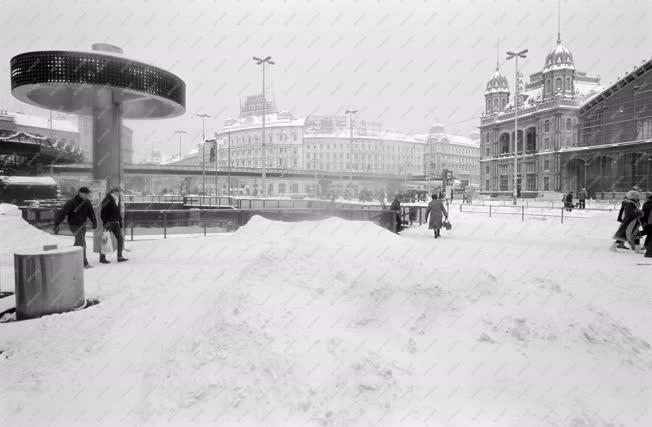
(522,213)
(562,215)
(48,282)
(490,210)
(165,225)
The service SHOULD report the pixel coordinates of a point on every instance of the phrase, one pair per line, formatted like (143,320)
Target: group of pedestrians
(567,198)
(436,212)
(635,222)
(79,210)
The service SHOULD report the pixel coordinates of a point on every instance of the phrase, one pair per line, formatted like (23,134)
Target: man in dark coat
(647,225)
(582,195)
(568,201)
(396,207)
(629,212)
(77,210)
(112,221)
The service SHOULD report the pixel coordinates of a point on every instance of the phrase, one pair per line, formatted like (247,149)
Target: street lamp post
(510,55)
(266,60)
(229,162)
(351,113)
(203,156)
(180,132)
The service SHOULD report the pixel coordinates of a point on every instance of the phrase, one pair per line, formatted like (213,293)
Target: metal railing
(232,219)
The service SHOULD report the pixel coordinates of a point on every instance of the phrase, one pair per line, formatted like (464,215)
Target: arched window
(546,126)
(569,85)
(548,86)
(495,103)
(488,106)
(569,124)
(504,103)
(558,84)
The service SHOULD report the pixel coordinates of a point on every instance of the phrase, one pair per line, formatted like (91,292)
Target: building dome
(497,83)
(559,58)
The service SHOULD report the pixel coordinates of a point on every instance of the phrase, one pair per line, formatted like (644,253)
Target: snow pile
(337,323)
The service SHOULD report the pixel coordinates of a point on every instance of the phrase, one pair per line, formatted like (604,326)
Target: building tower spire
(558,21)
(497,55)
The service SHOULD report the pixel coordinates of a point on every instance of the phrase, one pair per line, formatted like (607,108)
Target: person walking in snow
(436,210)
(628,216)
(582,195)
(78,210)
(112,221)
(568,201)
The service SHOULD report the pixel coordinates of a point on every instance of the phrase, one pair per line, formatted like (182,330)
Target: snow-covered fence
(524,212)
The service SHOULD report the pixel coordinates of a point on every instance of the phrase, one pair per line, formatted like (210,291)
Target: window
(486,185)
(504,182)
(546,183)
(531,183)
(558,85)
(546,143)
(546,126)
(569,124)
(546,165)
(548,86)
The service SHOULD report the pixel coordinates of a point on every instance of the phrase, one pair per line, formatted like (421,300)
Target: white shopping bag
(107,245)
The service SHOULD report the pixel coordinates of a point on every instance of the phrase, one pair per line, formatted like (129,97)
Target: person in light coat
(436,211)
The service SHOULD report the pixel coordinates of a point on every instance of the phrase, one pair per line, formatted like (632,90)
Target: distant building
(547,121)
(458,154)
(63,131)
(614,146)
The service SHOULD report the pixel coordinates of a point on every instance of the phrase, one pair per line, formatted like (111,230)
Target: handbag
(106,246)
(447,225)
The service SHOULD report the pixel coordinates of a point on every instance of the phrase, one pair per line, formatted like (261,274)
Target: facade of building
(458,154)
(547,124)
(614,146)
(329,144)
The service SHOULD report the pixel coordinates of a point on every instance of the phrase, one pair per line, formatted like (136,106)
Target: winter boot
(103,259)
(122,259)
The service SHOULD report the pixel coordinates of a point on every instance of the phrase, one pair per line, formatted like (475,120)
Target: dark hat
(84,190)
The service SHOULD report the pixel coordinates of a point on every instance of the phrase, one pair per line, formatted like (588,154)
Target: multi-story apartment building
(456,153)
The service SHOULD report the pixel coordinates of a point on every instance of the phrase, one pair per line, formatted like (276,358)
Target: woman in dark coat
(112,221)
(436,210)
(629,212)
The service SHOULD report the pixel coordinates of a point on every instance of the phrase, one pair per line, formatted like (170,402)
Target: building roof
(280,119)
(44,122)
(497,83)
(559,58)
(638,71)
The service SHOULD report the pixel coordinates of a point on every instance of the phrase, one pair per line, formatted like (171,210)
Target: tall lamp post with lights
(180,132)
(203,155)
(266,60)
(351,114)
(510,55)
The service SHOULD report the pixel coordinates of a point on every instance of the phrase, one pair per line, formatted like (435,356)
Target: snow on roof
(271,120)
(28,180)
(43,122)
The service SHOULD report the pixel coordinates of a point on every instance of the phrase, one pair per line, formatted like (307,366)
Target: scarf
(115,199)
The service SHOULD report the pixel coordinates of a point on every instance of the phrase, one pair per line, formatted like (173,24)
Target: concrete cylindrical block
(49,282)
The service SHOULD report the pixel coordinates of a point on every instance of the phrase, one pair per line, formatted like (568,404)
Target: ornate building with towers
(548,108)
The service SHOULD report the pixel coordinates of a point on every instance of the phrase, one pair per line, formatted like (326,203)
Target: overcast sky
(406,64)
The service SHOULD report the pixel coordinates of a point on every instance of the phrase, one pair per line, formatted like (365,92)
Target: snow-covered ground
(336,323)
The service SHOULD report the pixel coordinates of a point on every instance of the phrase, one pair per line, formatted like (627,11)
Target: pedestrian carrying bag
(447,225)
(106,247)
